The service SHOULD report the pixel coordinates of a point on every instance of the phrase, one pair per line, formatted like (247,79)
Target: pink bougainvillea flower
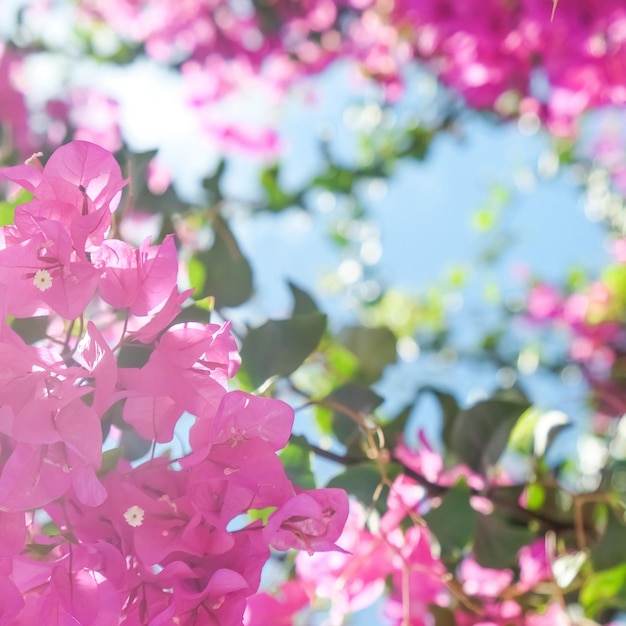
(231,481)
(242,416)
(95,355)
(80,169)
(277,609)
(482,581)
(310,521)
(534,566)
(140,280)
(353,579)
(187,371)
(43,270)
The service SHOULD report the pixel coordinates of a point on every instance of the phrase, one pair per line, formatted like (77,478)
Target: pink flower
(140,280)
(310,521)
(277,609)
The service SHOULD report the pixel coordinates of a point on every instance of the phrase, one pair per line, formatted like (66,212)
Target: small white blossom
(42,280)
(134,516)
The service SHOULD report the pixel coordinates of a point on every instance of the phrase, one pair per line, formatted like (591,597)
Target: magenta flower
(139,280)
(241,417)
(310,521)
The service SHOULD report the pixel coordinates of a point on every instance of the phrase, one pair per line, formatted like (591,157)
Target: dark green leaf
(497,540)
(480,434)
(110,459)
(453,522)
(227,273)
(611,549)
(374,347)
(30,329)
(296,459)
(134,355)
(449,412)
(362,481)
(354,398)
(133,445)
(443,616)
(395,427)
(302,301)
(279,347)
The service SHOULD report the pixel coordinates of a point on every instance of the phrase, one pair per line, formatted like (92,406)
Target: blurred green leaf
(279,347)
(374,347)
(449,411)
(523,434)
(395,427)
(610,550)
(277,198)
(605,589)
(7,207)
(133,445)
(30,329)
(110,459)
(480,433)
(227,273)
(497,540)
(133,355)
(355,398)
(302,301)
(443,616)
(453,522)
(362,481)
(296,459)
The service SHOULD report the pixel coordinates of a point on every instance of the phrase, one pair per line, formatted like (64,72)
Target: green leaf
(362,481)
(279,347)
(497,540)
(449,412)
(110,459)
(277,198)
(443,616)
(40,550)
(133,355)
(133,445)
(605,589)
(374,347)
(611,549)
(453,522)
(7,213)
(296,459)
(227,273)
(30,329)
(395,427)
(357,399)
(261,514)
(196,271)
(7,207)
(302,301)
(480,433)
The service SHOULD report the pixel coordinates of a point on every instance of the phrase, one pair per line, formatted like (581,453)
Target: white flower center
(42,280)
(134,516)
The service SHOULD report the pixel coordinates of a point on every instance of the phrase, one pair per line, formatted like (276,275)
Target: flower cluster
(496,53)
(593,320)
(513,58)
(395,558)
(88,537)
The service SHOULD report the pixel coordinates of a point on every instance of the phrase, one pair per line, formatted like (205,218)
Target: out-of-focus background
(445,180)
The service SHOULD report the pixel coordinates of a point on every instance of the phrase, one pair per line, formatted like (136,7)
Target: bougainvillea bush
(160,465)
(88,537)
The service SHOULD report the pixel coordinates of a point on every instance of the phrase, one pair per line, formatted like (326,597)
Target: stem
(505,505)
